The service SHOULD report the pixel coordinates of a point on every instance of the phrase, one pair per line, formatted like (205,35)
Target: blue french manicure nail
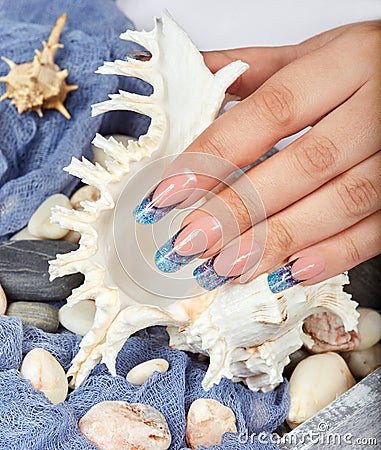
(294,272)
(168,260)
(146,213)
(208,278)
(282,278)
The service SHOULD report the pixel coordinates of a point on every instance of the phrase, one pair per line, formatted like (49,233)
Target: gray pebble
(24,270)
(40,315)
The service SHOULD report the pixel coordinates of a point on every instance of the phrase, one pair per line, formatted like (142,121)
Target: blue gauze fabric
(33,150)
(28,421)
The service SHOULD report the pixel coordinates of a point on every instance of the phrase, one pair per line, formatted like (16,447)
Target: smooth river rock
(37,314)
(24,270)
(45,374)
(117,425)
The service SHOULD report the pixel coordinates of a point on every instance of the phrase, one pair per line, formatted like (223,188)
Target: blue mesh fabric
(28,421)
(33,150)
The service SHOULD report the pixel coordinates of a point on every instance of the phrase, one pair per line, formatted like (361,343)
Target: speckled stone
(115,425)
(39,315)
(207,421)
(24,270)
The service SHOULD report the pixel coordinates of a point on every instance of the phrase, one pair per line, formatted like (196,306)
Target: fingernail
(168,260)
(165,197)
(231,263)
(175,189)
(294,272)
(198,236)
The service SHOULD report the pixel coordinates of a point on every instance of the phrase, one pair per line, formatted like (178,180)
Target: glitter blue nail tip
(167,260)
(282,279)
(208,278)
(147,214)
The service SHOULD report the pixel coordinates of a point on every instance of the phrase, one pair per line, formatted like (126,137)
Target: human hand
(320,195)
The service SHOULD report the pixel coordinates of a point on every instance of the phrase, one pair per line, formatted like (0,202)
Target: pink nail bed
(175,189)
(237,258)
(306,267)
(198,236)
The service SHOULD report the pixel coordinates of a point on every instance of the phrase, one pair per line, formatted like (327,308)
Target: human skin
(320,195)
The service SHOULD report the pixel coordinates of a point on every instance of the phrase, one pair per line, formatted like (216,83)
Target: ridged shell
(247,331)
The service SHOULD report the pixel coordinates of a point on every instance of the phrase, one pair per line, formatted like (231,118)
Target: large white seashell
(246,330)
(207,421)
(45,374)
(316,382)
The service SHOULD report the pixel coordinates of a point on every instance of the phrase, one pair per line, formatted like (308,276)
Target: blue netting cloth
(28,421)
(33,150)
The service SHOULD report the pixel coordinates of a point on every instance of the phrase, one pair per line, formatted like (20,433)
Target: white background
(217,24)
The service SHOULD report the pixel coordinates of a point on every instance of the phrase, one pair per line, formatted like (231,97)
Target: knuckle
(280,239)
(352,254)
(214,144)
(238,209)
(315,156)
(275,104)
(357,195)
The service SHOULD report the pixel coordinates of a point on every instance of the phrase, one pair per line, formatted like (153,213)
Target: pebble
(116,425)
(78,318)
(45,374)
(207,421)
(361,363)
(84,193)
(24,235)
(39,224)
(369,328)
(3,301)
(140,373)
(99,154)
(39,315)
(24,270)
(316,382)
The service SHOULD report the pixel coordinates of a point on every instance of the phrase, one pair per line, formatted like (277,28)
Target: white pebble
(140,373)
(207,421)
(363,362)
(39,224)
(99,154)
(114,425)
(369,328)
(78,318)
(45,374)
(3,301)
(24,235)
(316,382)
(85,193)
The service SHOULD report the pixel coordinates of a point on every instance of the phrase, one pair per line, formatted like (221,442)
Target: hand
(320,195)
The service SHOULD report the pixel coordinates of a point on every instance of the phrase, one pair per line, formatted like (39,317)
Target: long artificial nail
(294,272)
(198,236)
(168,260)
(231,263)
(165,197)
